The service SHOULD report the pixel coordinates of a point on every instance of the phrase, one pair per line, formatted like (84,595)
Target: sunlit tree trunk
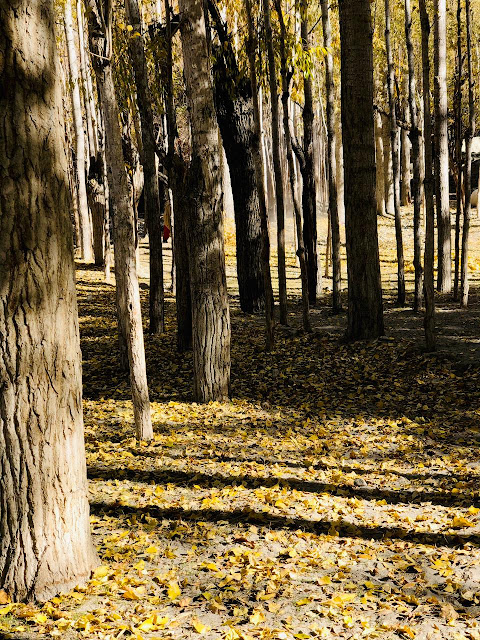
(90,109)
(45,543)
(379,160)
(365,309)
(457,109)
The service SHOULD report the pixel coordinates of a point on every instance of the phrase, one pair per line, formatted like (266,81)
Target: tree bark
(444,276)
(332,165)
(90,109)
(395,163)
(277,168)
(387,166)
(259,170)
(365,312)
(128,294)
(379,161)
(234,108)
(45,543)
(210,310)
(468,159)
(428,282)
(86,237)
(457,108)
(416,156)
(154,200)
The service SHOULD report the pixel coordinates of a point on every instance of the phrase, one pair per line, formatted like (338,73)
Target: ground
(335,496)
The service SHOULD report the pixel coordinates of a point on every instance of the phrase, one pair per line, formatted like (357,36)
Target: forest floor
(336,496)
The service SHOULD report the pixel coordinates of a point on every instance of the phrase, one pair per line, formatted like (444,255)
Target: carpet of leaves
(336,496)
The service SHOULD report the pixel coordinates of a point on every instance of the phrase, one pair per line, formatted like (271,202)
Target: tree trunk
(154,201)
(417,176)
(387,166)
(444,278)
(210,311)
(405,160)
(395,163)
(128,294)
(332,165)
(98,206)
(86,239)
(428,282)
(468,158)
(277,168)
(234,108)
(339,163)
(457,108)
(286,76)
(259,170)
(90,115)
(45,543)
(365,312)
(379,161)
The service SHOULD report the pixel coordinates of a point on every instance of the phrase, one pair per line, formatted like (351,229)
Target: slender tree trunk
(259,169)
(86,239)
(45,543)
(332,168)
(210,311)
(309,192)
(379,161)
(128,294)
(339,163)
(277,168)
(444,279)
(365,312)
(428,282)
(90,118)
(395,163)
(154,201)
(457,106)
(468,158)
(417,176)
(387,166)
(286,76)
(405,159)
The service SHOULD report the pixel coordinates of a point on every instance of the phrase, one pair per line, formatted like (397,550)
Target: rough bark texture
(379,160)
(277,167)
(428,281)
(128,294)
(259,170)
(154,201)
(234,108)
(332,165)
(416,156)
(468,158)
(444,278)
(457,109)
(210,310)
(365,312)
(90,109)
(45,544)
(387,166)
(86,236)
(395,159)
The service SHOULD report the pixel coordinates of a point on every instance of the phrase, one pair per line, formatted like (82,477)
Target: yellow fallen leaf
(4,597)
(257,616)
(303,601)
(5,610)
(199,626)
(151,550)
(101,572)
(461,522)
(325,580)
(40,618)
(174,590)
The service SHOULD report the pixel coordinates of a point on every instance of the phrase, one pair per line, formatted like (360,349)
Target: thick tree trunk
(259,170)
(365,312)
(428,282)
(277,167)
(444,277)
(210,310)
(45,544)
(234,108)
(395,160)
(154,201)
(128,294)
(417,176)
(286,76)
(379,161)
(86,236)
(332,164)
(468,159)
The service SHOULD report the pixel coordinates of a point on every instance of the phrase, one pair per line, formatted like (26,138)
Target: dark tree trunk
(428,281)
(365,310)
(45,543)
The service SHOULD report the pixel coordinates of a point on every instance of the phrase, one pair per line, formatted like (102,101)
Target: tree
(154,200)
(45,544)
(100,16)
(277,166)
(416,156)
(203,186)
(86,234)
(444,277)
(395,163)
(235,115)
(457,107)
(365,311)
(428,281)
